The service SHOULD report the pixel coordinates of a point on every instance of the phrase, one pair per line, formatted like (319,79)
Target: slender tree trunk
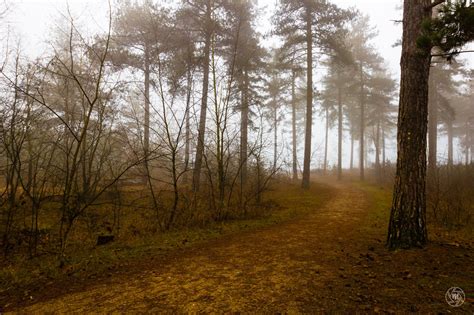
(339,130)
(352,151)
(205,92)
(432,126)
(187,147)
(244,122)
(29,183)
(472,154)
(220,120)
(362,124)
(84,160)
(146,141)
(325,166)
(466,154)
(450,142)
(146,132)
(146,123)
(275,136)
(309,99)
(407,226)
(367,148)
(377,154)
(293,125)
(383,151)
(470,140)
(433,109)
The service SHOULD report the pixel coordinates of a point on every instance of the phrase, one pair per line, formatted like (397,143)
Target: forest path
(326,260)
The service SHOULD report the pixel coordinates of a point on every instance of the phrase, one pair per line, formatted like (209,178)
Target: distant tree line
(177,110)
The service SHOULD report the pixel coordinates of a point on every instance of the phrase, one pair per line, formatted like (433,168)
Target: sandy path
(332,259)
(273,269)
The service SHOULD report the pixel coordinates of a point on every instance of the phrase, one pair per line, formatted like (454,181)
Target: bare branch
(452,53)
(434,4)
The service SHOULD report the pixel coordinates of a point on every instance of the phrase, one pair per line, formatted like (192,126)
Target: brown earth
(332,259)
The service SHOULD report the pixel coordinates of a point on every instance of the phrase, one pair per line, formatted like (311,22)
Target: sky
(381,13)
(32,21)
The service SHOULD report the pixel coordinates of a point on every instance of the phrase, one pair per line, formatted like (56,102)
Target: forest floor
(329,259)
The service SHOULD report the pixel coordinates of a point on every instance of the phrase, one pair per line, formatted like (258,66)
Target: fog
(31,22)
(236,156)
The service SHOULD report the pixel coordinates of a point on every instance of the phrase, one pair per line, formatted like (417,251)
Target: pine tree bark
(309,99)
(407,226)
(205,92)
(293,125)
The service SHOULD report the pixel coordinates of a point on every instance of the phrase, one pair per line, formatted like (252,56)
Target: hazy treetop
(32,20)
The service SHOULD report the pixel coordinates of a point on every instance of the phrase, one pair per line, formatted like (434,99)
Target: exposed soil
(333,259)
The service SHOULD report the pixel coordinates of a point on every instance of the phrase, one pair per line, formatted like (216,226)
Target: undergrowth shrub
(450,196)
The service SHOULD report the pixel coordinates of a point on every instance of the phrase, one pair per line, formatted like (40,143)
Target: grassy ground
(380,199)
(379,214)
(322,251)
(21,276)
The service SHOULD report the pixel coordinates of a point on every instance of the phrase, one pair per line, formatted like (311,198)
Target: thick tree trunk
(205,91)
(326,137)
(362,124)
(407,226)
(293,125)
(309,100)
(244,123)
(339,131)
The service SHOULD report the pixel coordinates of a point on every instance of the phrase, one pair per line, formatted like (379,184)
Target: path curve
(284,268)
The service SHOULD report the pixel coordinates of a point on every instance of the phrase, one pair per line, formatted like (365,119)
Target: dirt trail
(323,261)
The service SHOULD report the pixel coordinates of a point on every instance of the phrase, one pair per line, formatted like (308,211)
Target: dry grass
(136,241)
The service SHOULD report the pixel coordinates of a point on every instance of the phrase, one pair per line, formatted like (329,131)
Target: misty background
(30,24)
